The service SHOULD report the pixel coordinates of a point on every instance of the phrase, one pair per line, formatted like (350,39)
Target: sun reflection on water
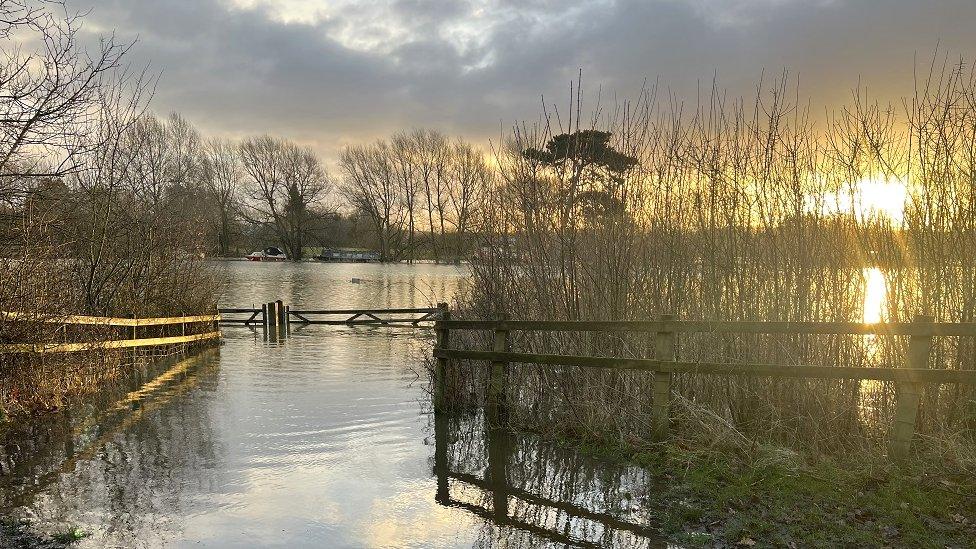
(874,310)
(875,296)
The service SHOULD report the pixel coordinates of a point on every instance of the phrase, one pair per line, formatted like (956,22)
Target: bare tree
(370,186)
(384,181)
(470,179)
(149,153)
(49,94)
(287,189)
(405,169)
(222,173)
(187,157)
(128,227)
(432,152)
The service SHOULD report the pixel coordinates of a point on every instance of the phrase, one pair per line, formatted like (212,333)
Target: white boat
(268,254)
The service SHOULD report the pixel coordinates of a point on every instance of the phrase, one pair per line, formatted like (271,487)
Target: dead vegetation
(737,209)
(97,202)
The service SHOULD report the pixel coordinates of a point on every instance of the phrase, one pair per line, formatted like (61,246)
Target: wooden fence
(133,326)
(276,313)
(665,364)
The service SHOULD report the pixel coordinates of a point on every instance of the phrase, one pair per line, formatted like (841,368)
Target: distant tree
(186,154)
(370,186)
(432,156)
(167,161)
(222,174)
(405,169)
(593,169)
(287,187)
(469,181)
(416,184)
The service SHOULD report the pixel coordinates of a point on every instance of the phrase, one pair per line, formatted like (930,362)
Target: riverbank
(770,497)
(43,376)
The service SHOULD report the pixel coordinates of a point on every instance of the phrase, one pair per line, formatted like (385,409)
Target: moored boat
(348,255)
(270,253)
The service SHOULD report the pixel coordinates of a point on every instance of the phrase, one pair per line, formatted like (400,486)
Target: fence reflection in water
(529,491)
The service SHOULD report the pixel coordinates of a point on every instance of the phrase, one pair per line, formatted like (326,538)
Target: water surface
(322,439)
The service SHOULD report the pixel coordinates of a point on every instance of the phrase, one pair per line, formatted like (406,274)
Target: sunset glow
(869,198)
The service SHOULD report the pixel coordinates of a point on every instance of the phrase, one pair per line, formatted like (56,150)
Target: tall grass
(742,209)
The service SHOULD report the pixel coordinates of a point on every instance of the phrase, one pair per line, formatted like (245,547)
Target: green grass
(70,536)
(20,533)
(775,499)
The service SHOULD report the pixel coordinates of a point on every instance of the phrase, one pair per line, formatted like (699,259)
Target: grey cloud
(242,71)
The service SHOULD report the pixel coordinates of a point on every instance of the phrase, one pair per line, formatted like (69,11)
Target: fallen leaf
(746,542)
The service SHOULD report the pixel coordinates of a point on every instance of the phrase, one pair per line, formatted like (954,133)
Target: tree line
(420,193)
(79,137)
(417,195)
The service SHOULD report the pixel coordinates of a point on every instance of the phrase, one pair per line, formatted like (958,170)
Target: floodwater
(320,439)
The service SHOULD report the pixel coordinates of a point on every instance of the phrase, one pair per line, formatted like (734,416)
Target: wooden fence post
(440,368)
(499,446)
(908,393)
(286,318)
(280,310)
(664,350)
(441,461)
(498,381)
(134,335)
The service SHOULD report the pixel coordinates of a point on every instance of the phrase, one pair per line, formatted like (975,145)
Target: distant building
(348,255)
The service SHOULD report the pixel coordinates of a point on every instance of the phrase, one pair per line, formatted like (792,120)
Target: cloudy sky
(332,72)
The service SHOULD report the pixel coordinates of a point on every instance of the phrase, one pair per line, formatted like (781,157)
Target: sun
(869,198)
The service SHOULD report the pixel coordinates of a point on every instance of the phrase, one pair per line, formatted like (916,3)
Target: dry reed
(740,211)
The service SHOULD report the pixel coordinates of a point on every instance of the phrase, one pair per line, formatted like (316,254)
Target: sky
(331,73)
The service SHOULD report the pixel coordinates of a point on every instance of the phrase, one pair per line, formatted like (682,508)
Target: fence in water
(277,313)
(128,332)
(908,379)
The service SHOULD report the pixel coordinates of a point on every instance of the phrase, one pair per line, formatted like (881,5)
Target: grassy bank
(774,498)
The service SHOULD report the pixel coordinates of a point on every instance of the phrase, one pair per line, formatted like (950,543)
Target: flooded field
(323,439)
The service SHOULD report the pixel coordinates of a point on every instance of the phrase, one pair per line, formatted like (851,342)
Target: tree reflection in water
(533,493)
(121,460)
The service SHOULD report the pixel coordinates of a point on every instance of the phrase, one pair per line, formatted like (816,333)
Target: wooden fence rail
(132,342)
(107,320)
(664,365)
(733,327)
(277,313)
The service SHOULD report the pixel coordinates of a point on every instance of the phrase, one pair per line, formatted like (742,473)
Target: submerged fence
(132,334)
(277,313)
(908,378)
